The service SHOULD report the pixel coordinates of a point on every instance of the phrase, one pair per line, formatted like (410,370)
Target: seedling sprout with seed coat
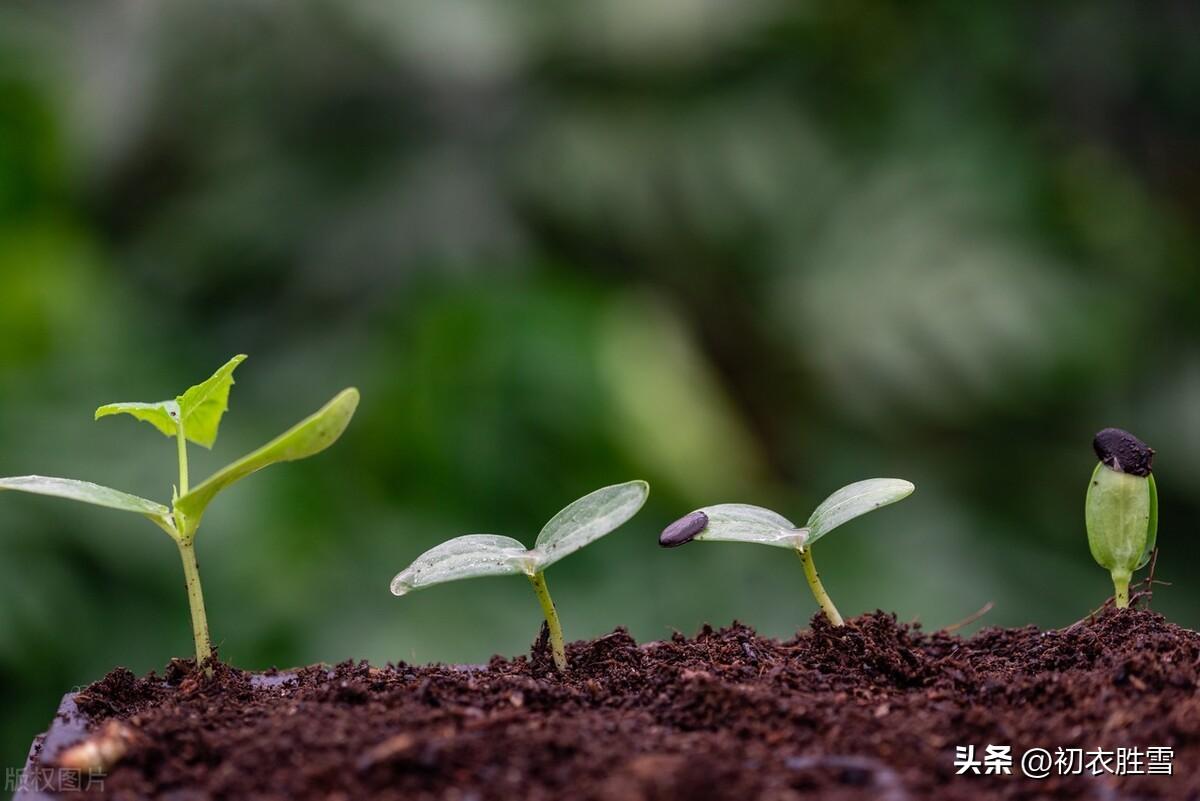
(195,417)
(1121,508)
(580,523)
(735,522)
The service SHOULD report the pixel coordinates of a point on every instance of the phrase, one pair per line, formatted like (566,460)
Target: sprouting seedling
(195,416)
(582,522)
(735,522)
(1121,509)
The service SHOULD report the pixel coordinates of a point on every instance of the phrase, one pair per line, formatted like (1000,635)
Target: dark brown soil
(873,710)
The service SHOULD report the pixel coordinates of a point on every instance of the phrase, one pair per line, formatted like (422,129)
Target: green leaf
(1117,513)
(464,557)
(853,501)
(308,437)
(202,406)
(587,520)
(1152,527)
(86,492)
(162,415)
(199,409)
(739,522)
(474,555)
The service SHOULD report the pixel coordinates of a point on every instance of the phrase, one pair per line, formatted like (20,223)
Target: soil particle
(871,710)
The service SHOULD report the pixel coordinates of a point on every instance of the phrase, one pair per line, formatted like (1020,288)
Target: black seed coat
(683,529)
(1123,452)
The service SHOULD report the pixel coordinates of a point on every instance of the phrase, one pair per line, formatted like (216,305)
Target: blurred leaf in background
(751,252)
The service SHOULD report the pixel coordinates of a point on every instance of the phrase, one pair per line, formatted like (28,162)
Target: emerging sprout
(1121,510)
(582,522)
(195,416)
(737,522)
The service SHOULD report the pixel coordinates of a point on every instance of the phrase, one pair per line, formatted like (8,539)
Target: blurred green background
(747,251)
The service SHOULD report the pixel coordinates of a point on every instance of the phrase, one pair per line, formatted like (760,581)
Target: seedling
(195,416)
(580,523)
(735,522)
(1121,510)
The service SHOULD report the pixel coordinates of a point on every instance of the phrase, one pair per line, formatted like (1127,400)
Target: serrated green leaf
(162,415)
(201,407)
(307,438)
(471,556)
(853,501)
(739,522)
(587,520)
(86,492)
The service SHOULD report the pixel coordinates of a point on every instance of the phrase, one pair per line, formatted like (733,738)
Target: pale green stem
(191,575)
(538,580)
(1121,585)
(191,571)
(818,591)
(183,466)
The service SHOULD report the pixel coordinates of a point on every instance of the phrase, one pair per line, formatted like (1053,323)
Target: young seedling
(1121,509)
(195,417)
(579,524)
(735,522)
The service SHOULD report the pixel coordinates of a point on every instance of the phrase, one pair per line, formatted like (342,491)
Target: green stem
(183,466)
(1121,585)
(818,590)
(538,580)
(191,575)
(191,570)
